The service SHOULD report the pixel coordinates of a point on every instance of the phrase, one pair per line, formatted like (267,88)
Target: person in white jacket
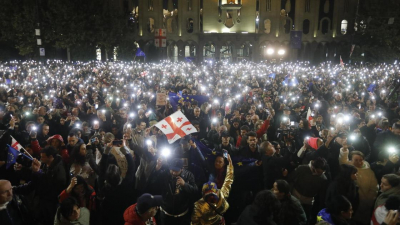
(366,182)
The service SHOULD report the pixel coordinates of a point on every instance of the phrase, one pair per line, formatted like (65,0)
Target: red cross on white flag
(175,126)
(160,38)
(15,144)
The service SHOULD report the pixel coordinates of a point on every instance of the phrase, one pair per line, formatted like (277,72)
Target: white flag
(175,126)
(15,144)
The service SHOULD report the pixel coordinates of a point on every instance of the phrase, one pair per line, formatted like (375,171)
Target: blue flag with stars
(179,99)
(203,156)
(11,156)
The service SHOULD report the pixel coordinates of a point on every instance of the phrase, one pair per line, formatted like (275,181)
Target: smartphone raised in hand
(225,152)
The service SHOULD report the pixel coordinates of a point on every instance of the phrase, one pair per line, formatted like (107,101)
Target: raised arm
(226,187)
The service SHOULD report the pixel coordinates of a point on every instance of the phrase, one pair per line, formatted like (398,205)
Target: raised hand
(36,165)
(71,186)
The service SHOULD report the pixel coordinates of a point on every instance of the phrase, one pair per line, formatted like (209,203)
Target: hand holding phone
(225,152)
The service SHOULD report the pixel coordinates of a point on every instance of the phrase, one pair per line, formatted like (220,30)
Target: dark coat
(117,199)
(51,180)
(350,191)
(272,169)
(248,218)
(177,203)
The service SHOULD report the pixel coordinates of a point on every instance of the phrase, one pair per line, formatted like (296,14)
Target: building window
(269,5)
(190,51)
(267,26)
(208,51)
(325,26)
(229,2)
(308,6)
(306,26)
(150,25)
(174,57)
(189,26)
(288,26)
(226,52)
(343,27)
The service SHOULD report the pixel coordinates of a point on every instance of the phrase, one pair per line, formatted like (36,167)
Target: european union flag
(272,75)
(11,156)
(371,87)
(176,99)
(240,161)
(286,81)
(295,39)
(139,52)
(200,158)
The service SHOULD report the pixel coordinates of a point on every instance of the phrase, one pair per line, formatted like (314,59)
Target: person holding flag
(213,204)
(13,155)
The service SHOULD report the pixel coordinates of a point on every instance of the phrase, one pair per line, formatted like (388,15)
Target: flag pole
(23,148)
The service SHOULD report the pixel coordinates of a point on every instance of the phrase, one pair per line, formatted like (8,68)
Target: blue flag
(371,87)
(11,156)
(176,99)
(139,52)
(272,75)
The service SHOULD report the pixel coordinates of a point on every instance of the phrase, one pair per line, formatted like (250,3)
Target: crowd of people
(276,143)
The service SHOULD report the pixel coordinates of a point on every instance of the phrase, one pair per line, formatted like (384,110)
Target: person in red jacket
(83,192)
(143,211)
(260,132)
(56,141)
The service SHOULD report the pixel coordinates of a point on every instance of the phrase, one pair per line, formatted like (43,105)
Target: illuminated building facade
(247,29)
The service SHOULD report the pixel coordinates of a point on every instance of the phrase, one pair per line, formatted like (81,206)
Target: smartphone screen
(225,153)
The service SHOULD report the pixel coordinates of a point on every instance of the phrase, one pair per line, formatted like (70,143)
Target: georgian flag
(341,62)
(175,126)
(15,144)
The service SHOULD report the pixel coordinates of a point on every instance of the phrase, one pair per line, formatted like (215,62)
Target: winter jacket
(385,195)
(50,181)
(117,199)
(132,218)
(272,169)
(147,165)
(176,203)
(368,188)
(15,213)
(90,199)
(203,213)
(292,213)
(247,218)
